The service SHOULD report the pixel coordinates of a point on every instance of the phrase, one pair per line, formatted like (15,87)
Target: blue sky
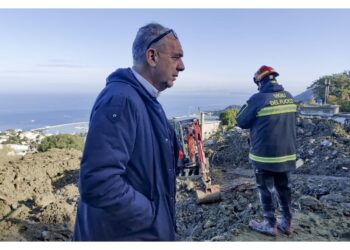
(73,50)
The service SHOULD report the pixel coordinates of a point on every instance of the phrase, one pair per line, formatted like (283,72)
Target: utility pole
(327,82)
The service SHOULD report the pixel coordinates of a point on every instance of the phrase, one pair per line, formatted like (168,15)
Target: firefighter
(270,115)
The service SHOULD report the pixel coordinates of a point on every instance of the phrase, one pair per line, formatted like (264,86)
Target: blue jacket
(271,117)
(127,174)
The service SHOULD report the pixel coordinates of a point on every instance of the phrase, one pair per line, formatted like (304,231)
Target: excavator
(192,159)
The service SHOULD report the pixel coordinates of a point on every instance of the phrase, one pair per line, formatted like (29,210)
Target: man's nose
(180,66)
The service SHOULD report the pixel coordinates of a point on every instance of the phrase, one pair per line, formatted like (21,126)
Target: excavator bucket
(208,196)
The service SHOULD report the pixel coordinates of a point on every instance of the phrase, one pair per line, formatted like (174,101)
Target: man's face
(168,63)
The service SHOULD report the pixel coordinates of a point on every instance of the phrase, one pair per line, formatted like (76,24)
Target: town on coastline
(19,142)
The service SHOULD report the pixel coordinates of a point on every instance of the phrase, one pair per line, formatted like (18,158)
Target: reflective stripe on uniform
(273,159)
(242,109)
(280,109)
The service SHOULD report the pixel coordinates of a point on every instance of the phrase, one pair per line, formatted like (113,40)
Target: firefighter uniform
(271,117)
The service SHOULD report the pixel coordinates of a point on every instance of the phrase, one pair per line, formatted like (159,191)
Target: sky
(74,50)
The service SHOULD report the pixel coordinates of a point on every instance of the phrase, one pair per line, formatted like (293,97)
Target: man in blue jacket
(271,117)
(127,174)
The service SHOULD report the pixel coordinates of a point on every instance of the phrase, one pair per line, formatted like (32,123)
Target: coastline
(68,128)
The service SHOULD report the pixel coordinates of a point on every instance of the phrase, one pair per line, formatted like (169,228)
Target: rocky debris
(38,195)
(223,155)
(38,192)
(320,185)
(324,147)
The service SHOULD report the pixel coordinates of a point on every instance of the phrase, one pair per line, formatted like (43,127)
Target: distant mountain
(305,96)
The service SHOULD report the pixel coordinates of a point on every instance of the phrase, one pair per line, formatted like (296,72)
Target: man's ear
(151,57)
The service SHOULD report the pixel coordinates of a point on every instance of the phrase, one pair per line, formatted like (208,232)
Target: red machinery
(192,159)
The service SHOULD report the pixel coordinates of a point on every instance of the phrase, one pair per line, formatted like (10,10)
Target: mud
(38,192)
(38,196)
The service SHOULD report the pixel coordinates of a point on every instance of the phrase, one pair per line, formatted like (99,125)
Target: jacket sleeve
(108,147)
(247,114)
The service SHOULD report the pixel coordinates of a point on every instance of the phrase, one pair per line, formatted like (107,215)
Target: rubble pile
(38,191)
(226,153)
(323,146)
(321,189)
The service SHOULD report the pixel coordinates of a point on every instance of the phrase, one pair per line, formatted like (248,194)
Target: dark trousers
(269,183)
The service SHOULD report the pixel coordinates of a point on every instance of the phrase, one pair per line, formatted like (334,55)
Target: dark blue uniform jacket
(271,117)
(127,174)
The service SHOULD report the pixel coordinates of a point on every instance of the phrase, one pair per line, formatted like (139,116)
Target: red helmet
(264,71)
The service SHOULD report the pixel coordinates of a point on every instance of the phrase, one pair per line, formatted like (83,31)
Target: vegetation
(228,117)
(339,89)
(61,141)
(14,137)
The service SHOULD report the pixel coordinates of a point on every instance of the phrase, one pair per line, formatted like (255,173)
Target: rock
(323,233)
(45,235)
(310,203)
(14,206)
(189,185)
(218,238)
(326,143)
(209,224)
(43,200)
(299,163)
(4,209)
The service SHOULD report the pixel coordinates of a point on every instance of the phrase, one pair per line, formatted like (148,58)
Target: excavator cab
(190,146)
(192,160)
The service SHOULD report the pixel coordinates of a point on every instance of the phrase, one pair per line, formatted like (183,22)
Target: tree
(61,141)
(228,117)
(345,106)
(339,89)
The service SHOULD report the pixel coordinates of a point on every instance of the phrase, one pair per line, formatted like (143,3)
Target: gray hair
(143,37)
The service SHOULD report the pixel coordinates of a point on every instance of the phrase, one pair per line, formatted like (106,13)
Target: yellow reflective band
(274,110)
(242,110)
(260,76)
(273,159)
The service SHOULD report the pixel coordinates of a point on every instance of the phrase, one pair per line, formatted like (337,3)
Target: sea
(68,113)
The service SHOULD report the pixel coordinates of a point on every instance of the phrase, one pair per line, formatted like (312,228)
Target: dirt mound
(38,195)
(321,189)
(38,192)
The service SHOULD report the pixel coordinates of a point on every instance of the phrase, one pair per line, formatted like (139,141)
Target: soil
(38,192)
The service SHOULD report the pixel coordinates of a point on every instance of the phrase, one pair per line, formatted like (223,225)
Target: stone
(4,209)
(299,163)
(14,205)
(44,199)
(189,185)
(310,203)
(218,238)
(326,143)
(209,224)
(45,235)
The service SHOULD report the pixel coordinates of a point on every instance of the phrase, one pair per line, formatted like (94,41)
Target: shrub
(345,106)
(61,141)
(228,117)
